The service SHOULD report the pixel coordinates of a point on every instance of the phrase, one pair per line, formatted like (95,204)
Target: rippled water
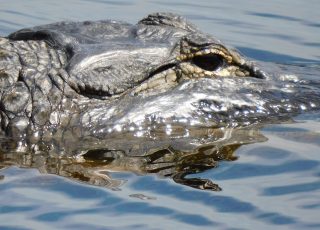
(274,183)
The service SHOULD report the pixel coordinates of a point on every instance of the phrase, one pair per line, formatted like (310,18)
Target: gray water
(274,183)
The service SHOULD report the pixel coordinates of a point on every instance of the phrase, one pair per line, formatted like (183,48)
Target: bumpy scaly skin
(33,93)
(73,79)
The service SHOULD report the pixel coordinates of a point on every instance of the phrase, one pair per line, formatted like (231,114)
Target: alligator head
(93,79)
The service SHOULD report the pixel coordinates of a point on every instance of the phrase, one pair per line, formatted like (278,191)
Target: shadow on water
(93,165)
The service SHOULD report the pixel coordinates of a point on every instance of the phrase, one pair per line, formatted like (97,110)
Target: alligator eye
(209,62)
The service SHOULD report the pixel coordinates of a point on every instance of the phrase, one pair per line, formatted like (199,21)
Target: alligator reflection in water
(175,158)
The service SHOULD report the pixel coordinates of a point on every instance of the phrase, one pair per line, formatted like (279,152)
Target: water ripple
(254,170)
(220,203)
(13,12)
(288,189)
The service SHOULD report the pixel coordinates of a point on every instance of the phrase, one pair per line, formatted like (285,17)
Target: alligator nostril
(210,62)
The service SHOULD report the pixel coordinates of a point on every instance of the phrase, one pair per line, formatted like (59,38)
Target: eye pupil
(210,62)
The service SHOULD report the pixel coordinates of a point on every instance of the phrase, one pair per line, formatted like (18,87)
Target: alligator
(77,86)
(89,77)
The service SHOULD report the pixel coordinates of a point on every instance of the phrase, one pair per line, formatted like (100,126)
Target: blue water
(273,185)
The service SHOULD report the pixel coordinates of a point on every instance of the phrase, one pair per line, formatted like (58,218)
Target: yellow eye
(209,62)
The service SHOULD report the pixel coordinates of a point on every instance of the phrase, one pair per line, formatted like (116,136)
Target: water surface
(274,183)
